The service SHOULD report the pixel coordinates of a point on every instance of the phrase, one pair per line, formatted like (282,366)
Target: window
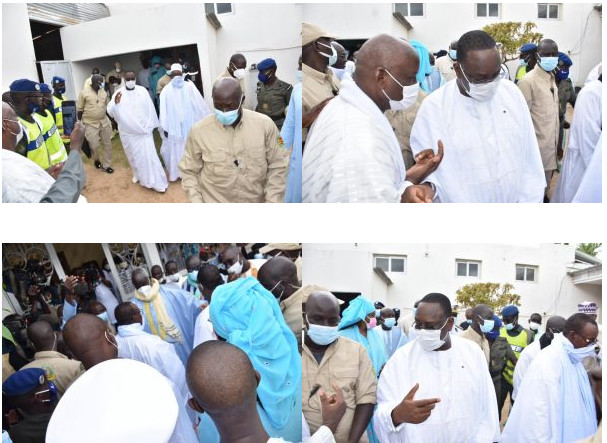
(487,9)
(223,8)
(468,268)
(410,9)
(548,10)
(391,263)
(526,273)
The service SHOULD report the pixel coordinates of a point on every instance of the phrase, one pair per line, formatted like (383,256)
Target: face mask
(236,268)
(492,335)
(534,326)
(409,96)
(389,322)
(548,63)
(523,62)
(174,277)
(118,69)
(509,326)
(130,84)
(239,73)
(322,335)
(102,85)
(177,81)
(263,77)
(377,311)
(469,321)
(299,76)
(453,54)
(61,90)
(18,135)
(372,323)
(33,107)
(350,67)
(192,275)
(145,290)
(229,117)
(333,57)
(483,92)
(103,316)
(430,339)
(487,326)
(562,74)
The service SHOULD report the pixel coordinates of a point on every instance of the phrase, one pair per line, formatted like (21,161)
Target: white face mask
(173,277)
(236,268)
(332,57)
(130,84)
(239,73)
(483,92)
(430,338)
(350,67)
(409,96)
(145,290)
(534,326)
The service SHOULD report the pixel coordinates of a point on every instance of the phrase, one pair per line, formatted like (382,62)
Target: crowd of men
(424,378)
(220,150)
(215,353)
(399,125)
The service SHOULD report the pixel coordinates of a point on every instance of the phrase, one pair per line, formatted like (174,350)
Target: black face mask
(545,340)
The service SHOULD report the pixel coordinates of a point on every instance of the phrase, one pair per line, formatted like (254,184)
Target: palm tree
(589,248)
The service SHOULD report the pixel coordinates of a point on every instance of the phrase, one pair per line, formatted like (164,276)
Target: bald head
(96,308)
(226,89)
(239,61)
(222,380)
(192,263)
(386,313)
(278,275)
(139,278)
(322,302)
(208,279)
(556,323)
(42,336)
(483,311)
(229,253)
(381,64)
(548,48)
(127,313)
(87,338)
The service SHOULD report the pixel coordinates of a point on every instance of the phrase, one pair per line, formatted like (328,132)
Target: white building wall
(577,31)
(432,268)
(18,58)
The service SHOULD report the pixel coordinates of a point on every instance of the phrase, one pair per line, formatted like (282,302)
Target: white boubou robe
(351,153)
(106,297)
(136,118)
(554,401)
(458,376)
(591,187)
(491,151)
(180,108)
(586,129)
(522,364)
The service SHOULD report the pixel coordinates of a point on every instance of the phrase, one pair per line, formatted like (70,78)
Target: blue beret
(266,64)
(24,85)
(46,89)
(57,79)
(528,47)
(497,321)
(23,381)
(565,59)
(509,311)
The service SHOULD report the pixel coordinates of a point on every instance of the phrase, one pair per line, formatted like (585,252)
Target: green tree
(494,295)
(513,35)
(589,248)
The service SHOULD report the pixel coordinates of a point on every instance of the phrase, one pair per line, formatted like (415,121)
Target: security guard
(273,94)
(58,84)
(27,100)
(52,139)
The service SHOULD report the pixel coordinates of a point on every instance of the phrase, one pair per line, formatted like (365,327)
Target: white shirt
(458,376)
(491,151)
(23,181)
(522,364)
(591,186)
(351,153)
(586,129)
(203,328)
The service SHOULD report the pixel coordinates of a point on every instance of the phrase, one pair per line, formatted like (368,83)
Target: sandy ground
(102,187)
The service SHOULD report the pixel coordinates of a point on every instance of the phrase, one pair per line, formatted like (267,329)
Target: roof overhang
(402,20)
(381,273)
(589,276)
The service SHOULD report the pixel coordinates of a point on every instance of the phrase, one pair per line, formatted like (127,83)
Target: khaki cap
(312,33)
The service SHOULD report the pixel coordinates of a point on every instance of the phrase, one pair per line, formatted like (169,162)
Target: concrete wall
(18,58)
(431,268)
(577,32)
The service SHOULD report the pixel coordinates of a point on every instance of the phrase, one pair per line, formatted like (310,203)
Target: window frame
(390,257)
(548,5)
(499,10)
(408,14)
(468,262)
(223,13)
(534,268)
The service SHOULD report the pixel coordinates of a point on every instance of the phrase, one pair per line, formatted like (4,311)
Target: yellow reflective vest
(52,139)
(517,343)
(36,148)
(57,103)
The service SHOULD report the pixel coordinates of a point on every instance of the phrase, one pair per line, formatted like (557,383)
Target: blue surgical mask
(193,276)
(548,63)
(523,62)
(377,312)
(562,73)
(103,316)
(469,321)
(263,77)
(492,335)
(299,76)
(487,326)
(102,85)
(322,335)
(389,322)
(453,54)
(509,326)
(33,107)
(229,117)
(61,90)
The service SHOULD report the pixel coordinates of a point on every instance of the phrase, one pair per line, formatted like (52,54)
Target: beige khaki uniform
(162,82)
(347,364)
(480,340)
(445,67)
(245,164)
(59,369)
(317,86)
(97,125)
(402,122)
(542,96)
(291,311)
(118,75)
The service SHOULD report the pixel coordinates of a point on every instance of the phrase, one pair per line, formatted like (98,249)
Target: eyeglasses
(588,341)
